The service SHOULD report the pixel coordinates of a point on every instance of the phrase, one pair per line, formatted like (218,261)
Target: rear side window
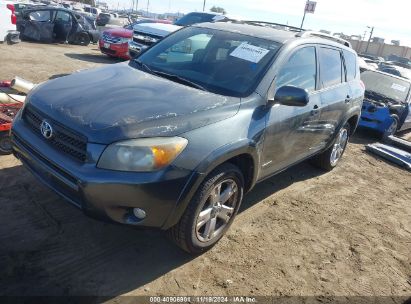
(331,71)
(300,70)
(350,65)
(40,16)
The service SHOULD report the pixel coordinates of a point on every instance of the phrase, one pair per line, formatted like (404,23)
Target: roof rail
(323,35)
(274,25)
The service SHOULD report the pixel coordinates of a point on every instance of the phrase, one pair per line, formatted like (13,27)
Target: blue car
(387,103)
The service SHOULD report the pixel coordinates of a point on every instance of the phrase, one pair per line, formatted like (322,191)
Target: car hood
(118,102)
(157,29)
(119,32)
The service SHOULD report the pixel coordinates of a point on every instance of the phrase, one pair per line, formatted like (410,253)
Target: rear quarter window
(331,69)
(350,65)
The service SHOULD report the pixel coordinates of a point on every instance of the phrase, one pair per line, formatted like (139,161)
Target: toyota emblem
(46,129)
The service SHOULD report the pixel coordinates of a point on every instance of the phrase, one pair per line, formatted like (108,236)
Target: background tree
(217,9)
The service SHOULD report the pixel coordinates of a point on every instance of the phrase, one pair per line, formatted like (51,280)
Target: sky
(390,18)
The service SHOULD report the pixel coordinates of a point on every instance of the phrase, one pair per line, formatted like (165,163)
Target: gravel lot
(301,233)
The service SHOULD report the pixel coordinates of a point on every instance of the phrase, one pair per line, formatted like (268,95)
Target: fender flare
(206,166)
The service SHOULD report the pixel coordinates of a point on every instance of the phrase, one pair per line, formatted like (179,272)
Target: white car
(92,11)
(146,34)
(8,22)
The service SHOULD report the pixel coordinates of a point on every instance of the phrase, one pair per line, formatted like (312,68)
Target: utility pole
(148,4)
(369,40)
(204,3)
(302,22)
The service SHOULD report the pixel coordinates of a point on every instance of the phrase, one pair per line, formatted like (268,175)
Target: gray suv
(176,137)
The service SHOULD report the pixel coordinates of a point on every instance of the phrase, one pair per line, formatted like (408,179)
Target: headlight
(143,155)
(150,39)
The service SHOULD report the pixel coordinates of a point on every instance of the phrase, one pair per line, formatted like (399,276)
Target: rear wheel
(329,159)
(83,39)
(211,212)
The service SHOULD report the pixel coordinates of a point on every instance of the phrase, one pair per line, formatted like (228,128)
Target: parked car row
(136,37)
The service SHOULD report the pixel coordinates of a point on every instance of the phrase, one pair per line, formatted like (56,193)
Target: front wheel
(211,212)
(329,159)
(83,39)
(393,128)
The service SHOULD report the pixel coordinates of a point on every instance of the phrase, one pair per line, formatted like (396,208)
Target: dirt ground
(301,233)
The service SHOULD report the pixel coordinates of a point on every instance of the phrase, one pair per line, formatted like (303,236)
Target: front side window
(62,16)
(300,70)
(331,72)
(218,61)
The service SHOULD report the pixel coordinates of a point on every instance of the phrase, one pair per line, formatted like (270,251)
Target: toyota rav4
(177,136)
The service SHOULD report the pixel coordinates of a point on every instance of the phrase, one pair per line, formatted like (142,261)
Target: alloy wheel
(393,128)
(339,146)
(217,211)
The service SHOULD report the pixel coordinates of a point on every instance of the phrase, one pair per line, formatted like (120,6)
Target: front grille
(108,51)
(63,139)
(146,39)
(110,39)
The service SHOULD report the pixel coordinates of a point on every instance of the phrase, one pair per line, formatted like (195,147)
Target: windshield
(221,62)
(193,18)
(391,87)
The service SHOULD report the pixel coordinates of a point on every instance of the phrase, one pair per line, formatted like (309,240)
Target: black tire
(83,39)
(5,144)
(393,127)
(184,234)
(325,160)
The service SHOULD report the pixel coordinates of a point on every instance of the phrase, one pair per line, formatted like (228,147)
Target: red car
(114,42)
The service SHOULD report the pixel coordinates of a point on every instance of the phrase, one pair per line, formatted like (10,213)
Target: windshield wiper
(179,79)
(144,66)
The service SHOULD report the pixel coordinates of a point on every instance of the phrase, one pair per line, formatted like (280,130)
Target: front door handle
(315,110)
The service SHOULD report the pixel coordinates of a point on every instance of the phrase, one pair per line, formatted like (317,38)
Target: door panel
(290,135)
(335,94)
(62,25)
(292,132)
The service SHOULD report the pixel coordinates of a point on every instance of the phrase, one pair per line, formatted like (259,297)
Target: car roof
(269,33)
(48,8)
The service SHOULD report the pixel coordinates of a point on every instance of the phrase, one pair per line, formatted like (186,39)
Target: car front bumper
(102,193)
(375,117)
(115,50)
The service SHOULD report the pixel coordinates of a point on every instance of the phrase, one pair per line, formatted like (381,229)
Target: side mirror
(291,96)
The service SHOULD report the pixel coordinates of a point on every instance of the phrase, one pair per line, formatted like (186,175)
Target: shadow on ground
(48,247)
(95,58)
